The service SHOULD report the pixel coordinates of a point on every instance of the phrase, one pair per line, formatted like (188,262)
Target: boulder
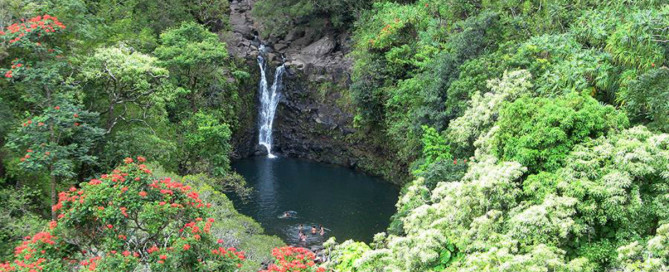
(321,47)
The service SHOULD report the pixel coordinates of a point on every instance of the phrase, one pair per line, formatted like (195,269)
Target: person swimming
(301,227)
(288,214)
(313,229)
(322,232)
(303,238)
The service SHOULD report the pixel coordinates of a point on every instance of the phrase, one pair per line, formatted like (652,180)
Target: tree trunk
(110,117)
(54,195)
(52,139)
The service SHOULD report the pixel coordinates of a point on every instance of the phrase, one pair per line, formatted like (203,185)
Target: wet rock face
(312,127)
(241,42)
(319,53)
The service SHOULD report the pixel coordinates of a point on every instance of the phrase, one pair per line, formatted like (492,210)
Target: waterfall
(269,100)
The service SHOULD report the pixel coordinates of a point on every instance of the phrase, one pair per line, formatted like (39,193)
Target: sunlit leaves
(540,132)
(639,42)
(128,84)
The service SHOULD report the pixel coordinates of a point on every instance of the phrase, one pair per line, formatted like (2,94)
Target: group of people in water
(301,231)
(314,231)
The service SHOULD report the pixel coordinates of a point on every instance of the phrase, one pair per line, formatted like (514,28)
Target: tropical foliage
(547,103)
(535,133)
(86,84)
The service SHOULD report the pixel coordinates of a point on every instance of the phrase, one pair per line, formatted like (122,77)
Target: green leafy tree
(58,136)
(124,85)
(641,41)
(17,218)
(646,97)
(207,145)
(195,58)
(278,17)
(138,23)
(58,141)
(435,149)
(135,141)
(651,256)
(540,132)
(484,109)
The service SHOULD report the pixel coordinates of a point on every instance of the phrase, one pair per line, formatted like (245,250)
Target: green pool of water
(349,204)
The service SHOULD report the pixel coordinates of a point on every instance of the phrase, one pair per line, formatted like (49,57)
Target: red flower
(126,253)
(57,107)
(152,249)
(163,257)
(124,189)
(127,160)
(53,224)
(76,115)
(110,226)
(186,247)
(76,124)
(141,159)
(142,194)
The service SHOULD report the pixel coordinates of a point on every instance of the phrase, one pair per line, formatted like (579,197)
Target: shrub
(293,259)
(127,220)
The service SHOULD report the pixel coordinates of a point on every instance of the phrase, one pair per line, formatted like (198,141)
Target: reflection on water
(349,205)
(265,187)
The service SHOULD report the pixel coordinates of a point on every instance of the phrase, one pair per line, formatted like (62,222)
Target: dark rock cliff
(314,118)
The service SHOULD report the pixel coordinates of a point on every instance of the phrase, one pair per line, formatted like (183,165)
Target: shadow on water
(349,204)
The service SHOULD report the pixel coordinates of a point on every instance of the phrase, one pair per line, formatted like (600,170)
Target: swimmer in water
(322,230)
(286,214)
(301,227)
(313,229)
(303,237)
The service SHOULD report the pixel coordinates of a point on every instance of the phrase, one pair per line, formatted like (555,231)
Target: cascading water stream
(269,100)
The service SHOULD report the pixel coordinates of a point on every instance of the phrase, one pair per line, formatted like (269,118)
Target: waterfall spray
(269,100)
